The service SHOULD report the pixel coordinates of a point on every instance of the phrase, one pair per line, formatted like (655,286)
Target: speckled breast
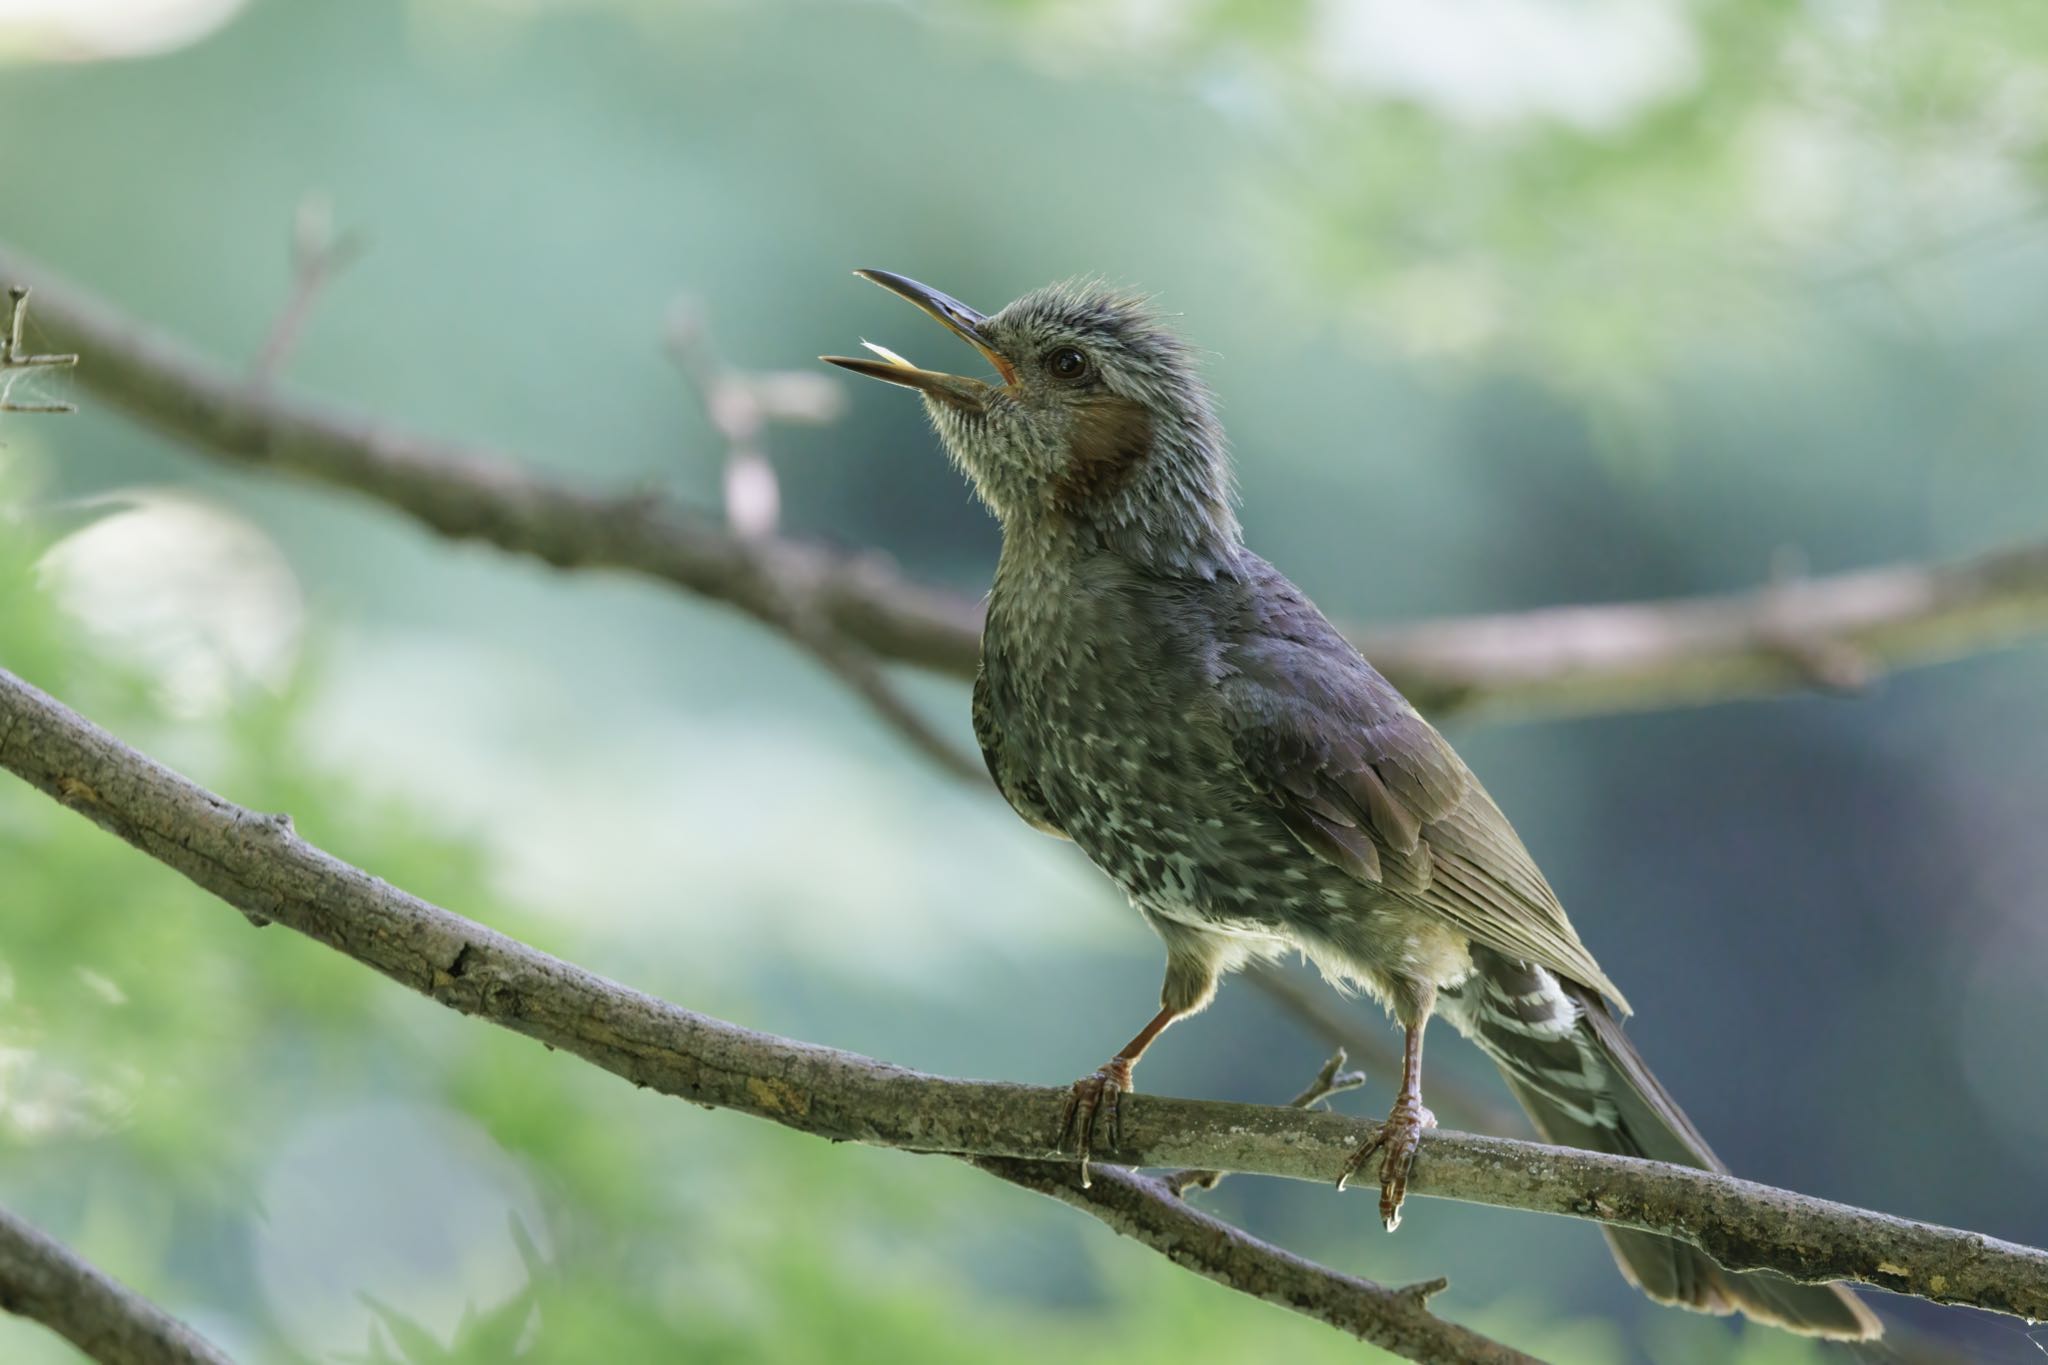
(1102,689)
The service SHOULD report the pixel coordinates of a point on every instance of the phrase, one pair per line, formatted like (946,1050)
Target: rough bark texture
(1829,633)
(45,1281)
(258,864)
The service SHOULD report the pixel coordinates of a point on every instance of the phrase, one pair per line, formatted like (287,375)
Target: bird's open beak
(962,321)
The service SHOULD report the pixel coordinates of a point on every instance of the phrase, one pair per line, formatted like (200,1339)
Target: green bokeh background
(1507,304)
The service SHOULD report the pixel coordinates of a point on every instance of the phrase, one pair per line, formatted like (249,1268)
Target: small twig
(1327,1018)
(44,1281)
(14,360)
(1141,1208)
(863,675)
(740,406)
(753,495)
(1331,1080)
(318,256)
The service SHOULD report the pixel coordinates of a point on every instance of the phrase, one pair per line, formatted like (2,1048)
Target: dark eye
(1067,363)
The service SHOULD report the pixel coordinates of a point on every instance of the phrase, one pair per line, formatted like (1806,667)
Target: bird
(1154,691)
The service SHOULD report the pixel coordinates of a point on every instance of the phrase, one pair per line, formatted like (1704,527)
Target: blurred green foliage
(1508,303)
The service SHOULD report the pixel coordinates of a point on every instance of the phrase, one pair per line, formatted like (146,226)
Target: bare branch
(258,864)
(232,852)
(471,493)
(44,1281)
(1832,631)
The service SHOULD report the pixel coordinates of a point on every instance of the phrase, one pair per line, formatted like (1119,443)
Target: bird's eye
(1067,363)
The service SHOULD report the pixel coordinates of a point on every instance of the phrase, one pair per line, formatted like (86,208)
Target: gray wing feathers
(1368,785)
(1488,885)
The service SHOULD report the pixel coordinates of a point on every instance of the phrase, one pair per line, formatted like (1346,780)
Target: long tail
(1585,1086)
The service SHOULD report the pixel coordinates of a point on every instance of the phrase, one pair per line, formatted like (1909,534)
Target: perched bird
(1154,691)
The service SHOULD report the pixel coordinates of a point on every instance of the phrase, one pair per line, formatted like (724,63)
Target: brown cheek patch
(1112,438)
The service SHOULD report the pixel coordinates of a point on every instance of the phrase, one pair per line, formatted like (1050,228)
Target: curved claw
(1094,1100)
(1398,1138)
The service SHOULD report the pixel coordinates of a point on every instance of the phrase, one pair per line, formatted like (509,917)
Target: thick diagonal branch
(1826,632)
(44,1281)
(234,854)
(258,864)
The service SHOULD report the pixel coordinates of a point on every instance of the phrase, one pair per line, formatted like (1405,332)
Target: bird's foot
(1397,1138)
(1091,1103)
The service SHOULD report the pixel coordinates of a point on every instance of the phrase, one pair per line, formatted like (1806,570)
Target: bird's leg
(1094,1098)
(1399,1136)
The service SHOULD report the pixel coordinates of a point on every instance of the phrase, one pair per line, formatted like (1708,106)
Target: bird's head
(1096,427)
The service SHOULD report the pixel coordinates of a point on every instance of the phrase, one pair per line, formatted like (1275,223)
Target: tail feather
(1584,1085)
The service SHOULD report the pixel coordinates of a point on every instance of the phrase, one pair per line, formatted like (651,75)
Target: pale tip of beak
(883,351)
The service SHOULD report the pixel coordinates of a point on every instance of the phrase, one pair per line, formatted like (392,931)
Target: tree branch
(258,864)
(1833,633)
(1828,632)
(471,493)
(1142,1208)
(43,1280)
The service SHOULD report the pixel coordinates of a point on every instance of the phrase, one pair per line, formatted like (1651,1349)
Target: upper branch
(258,864)
(1833,633)
(43,1280)
(469,492)
(1827,632)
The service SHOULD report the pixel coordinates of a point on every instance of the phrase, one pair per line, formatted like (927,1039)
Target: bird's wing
(1020,789)
(1365,783)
